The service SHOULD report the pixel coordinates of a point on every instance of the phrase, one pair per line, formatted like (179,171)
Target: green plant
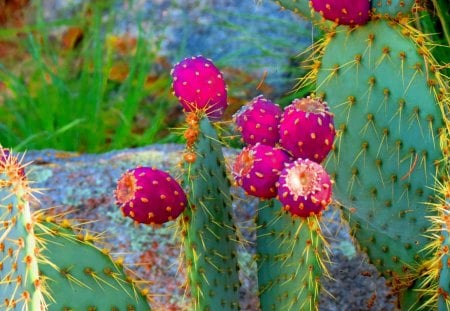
(385,82)
(41,264)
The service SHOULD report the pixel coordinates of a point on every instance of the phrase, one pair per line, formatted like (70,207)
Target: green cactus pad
(80,276)
(291,255)
(387,153)
(19,274)
(303,8)
(207,227)
(393,8)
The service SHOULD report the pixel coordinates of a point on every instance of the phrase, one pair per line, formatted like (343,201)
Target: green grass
(65,100)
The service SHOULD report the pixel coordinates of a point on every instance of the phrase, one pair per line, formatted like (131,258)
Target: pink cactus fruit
(199,85)
(258,121)
(150,196)
(257,169)
(304,188)
(343,12)
(307,129)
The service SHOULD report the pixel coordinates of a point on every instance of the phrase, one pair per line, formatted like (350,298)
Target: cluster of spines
(20,285)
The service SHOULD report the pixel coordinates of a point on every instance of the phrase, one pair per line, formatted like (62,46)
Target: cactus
(291,259)
(91,281)
(41,264)
(207,227)
(20,286)
(391,109)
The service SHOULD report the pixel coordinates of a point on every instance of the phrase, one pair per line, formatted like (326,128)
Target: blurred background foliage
(93,76)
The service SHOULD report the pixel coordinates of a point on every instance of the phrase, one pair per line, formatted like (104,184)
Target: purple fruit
(258,122)
(257,169)
(199,86)
(150,196)
(304,188)
(343,12)
(307,129)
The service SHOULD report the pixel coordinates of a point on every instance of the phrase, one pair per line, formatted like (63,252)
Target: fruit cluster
(284,149)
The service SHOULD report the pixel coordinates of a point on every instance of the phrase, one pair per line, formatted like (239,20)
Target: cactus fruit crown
(304,188)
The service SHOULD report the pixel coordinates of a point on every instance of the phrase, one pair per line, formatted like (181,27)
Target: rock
(84,184)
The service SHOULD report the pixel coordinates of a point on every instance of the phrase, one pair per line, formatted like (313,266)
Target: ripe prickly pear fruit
(304,188)
(343,12)
(150,196)
(257,169)
(307,129)
(258,122)
(199,85)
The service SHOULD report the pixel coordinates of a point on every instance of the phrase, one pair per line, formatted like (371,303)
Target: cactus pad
(387,154)
(207,226)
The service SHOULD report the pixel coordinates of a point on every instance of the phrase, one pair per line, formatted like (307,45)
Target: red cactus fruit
(257,169)
(304,188)
(343,12)
(258,121)
(150,196)
(307,129)
(199,85)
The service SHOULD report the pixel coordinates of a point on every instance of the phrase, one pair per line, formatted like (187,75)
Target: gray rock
(84,184)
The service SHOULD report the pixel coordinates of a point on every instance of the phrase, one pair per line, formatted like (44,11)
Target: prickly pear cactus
(291,256)
(388,101)
(49,266)
(80,276)
(207,224)
(20,285)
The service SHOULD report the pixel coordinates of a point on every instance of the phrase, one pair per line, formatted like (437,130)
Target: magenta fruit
(199,86)
(343,12)
(307,129)
(304,188)
(258,122)
(150,196)
(257,169)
